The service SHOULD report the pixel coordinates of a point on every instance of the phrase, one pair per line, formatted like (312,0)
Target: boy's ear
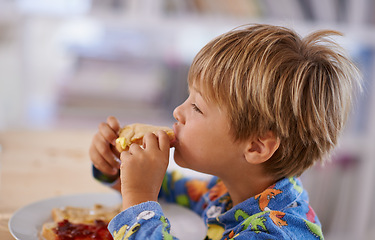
(261,149)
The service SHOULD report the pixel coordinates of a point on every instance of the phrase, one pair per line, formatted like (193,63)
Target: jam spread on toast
(66,230)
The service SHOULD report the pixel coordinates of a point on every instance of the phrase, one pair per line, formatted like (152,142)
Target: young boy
(264,106)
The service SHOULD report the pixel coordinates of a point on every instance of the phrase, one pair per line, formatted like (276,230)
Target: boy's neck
(246,184)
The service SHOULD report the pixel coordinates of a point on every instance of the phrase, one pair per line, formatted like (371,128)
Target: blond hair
(270,79)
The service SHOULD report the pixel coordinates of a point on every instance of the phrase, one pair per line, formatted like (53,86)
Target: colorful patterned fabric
(282,211)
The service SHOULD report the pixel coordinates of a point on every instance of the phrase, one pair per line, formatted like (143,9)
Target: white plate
(26,223)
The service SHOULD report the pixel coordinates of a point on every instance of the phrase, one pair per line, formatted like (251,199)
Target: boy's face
(204,142)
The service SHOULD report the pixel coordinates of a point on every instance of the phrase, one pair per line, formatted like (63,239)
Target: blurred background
(68,64)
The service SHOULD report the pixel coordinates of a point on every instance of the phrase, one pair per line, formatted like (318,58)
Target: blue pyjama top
(282,211)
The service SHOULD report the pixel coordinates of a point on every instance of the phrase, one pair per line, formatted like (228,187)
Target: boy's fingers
(164,143)
(108,133)
(123,156)
(101,146)
(135,149)
(101,164)
(115,152)
(113,123)
(150,141)
(159,140)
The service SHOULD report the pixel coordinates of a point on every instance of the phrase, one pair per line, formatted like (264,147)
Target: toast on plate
(77,223)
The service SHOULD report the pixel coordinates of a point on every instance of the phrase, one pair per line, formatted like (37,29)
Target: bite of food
(134,133)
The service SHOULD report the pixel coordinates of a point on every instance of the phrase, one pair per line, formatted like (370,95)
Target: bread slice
(85,215)
(134,133)
(48,232)
(79,223)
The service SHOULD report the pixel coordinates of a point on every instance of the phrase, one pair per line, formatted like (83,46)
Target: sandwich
(134,133)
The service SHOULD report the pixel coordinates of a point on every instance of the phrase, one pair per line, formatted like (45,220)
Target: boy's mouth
(175,140)
(173,143)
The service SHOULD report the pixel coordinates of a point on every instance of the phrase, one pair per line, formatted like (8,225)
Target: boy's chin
(179,162)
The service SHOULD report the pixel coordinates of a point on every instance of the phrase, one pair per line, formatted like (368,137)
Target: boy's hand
(102,152)
(143,169)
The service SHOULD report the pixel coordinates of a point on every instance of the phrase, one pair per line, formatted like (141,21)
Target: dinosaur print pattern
(266,196)
(125,232)
(281,211)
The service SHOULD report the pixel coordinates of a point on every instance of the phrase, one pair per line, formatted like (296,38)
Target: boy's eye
(196,108)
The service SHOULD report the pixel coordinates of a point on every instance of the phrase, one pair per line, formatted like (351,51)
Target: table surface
(36,165)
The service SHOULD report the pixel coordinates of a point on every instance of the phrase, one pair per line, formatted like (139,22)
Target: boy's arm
(141,173)
(143,168)
(142,221)
(176,188)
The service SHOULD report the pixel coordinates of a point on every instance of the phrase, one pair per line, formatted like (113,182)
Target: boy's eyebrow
(196,90)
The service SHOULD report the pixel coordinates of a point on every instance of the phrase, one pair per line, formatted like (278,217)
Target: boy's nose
(177,114)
